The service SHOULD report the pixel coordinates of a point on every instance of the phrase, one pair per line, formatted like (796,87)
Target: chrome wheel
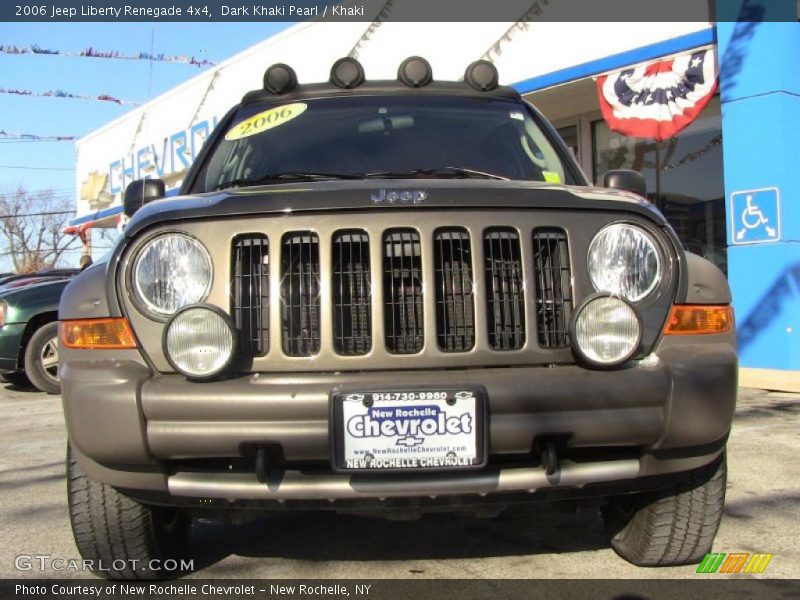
(41,359)
(49,358)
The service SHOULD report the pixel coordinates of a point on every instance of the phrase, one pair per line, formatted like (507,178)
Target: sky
(135,80)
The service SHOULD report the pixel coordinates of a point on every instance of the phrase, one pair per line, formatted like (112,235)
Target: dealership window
(684,178)
(570,136)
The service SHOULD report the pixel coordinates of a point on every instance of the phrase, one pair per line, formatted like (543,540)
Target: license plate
(403,430)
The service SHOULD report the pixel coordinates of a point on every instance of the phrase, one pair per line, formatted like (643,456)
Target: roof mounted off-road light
(347,73)
(280,79)
(415,71)
(482,75)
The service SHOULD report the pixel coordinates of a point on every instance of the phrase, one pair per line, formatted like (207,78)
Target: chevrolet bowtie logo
(93,185)
(409,441)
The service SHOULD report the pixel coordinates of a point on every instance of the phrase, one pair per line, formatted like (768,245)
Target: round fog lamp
(606,331)
(199,341)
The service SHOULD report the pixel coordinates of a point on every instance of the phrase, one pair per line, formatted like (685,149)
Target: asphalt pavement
(534,541)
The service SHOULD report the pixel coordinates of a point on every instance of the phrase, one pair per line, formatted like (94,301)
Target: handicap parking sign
(755,216)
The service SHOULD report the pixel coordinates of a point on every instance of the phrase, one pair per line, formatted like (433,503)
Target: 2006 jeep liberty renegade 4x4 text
(394,296)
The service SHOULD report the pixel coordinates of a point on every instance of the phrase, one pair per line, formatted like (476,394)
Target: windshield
(382,136)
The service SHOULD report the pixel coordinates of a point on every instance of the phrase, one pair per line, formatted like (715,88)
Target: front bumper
(668,413)
(296,485)
(10,343)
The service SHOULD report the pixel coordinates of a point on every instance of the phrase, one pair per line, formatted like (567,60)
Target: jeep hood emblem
(384,196)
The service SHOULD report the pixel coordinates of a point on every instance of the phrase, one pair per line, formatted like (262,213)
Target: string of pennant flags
(113,54)
(9,135)
(64,94)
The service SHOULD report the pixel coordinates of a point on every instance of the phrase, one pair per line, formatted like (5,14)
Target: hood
(52,287)
(386,194)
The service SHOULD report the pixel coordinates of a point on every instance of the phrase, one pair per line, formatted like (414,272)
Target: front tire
(120,536)
(41,359)
(673,526)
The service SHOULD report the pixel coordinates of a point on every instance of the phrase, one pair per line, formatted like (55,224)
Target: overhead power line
(13,140)
(39,214)
(15,136)
(55,192)
(32,168)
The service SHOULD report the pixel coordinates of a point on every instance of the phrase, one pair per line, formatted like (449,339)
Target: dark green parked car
(29,334)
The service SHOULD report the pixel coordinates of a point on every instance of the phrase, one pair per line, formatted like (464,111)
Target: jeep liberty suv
(394,296)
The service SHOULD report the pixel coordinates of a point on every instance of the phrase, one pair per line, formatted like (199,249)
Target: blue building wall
(760,90)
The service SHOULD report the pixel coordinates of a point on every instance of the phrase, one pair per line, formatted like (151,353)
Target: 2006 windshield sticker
(264,121)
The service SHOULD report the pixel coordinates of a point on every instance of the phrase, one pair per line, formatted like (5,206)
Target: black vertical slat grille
(250,292)
(455,310)
(300,293)
(402,291)
(352,320)
(553,283)
(505,299)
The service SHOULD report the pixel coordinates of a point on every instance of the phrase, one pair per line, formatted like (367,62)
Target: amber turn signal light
(695,319)
(98,334)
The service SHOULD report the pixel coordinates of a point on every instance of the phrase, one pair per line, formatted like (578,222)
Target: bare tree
(32,228)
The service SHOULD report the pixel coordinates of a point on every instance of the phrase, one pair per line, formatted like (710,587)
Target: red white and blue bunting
(113,54)
(70,95)
(30,137)
(658,99)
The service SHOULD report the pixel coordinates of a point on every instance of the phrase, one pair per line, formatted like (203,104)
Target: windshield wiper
(282,178)
(437,172)
(458,172)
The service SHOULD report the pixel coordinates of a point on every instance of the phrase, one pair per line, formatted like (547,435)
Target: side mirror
(142,191)
(627,180)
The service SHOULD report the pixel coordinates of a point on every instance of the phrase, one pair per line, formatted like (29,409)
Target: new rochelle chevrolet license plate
(431,429)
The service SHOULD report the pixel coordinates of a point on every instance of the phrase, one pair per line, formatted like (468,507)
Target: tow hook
(549,458)
(262,472)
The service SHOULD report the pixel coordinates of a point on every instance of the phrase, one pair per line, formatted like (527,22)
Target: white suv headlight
(171,271)
(624,260)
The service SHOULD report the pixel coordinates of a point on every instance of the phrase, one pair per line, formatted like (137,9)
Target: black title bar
(708,587)
(600,11)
